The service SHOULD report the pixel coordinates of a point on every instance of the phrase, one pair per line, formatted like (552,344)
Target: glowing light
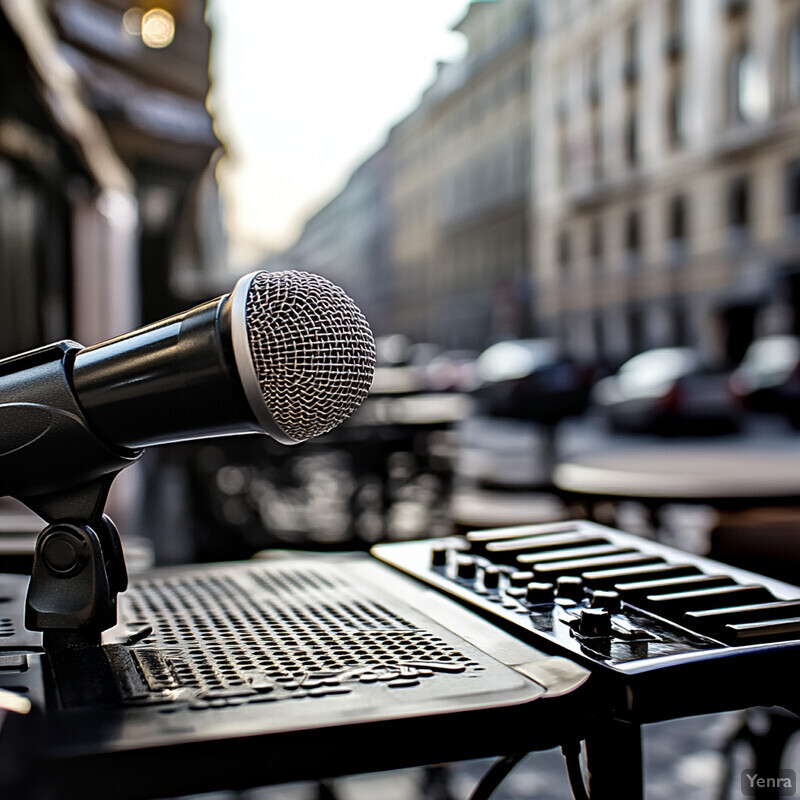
(132,21)
(158,28)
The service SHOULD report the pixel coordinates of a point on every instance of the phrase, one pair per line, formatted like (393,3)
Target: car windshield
(515,359)
(657,367)
(773,355)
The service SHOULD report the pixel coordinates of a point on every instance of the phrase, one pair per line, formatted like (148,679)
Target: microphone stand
(53,462)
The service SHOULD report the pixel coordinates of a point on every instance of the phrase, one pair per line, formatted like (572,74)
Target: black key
(573,552)
(577,566)
(714,620)
(507,552)
(631,592)
(777,630)
(605,578)
(674,605)
(481,538)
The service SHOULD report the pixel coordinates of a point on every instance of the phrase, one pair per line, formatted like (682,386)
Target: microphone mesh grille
(312,350)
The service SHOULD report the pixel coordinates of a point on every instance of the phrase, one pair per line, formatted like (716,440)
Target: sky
(304,90)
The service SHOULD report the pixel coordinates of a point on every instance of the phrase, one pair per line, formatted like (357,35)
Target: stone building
(460,188)
(667,174)
(347,241)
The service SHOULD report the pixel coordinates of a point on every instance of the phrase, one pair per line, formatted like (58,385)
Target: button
(607,599)
(606,578)
(63,551)
(674,605)
(634,591)
(438,557)
(569,587)
(465,568)
(594,622)
(577,566)
(507,551)
(537,593)
(491,578)
(715,619)
(519,580)
(777,630)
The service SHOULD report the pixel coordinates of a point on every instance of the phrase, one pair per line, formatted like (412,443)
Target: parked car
(768,379)
(667,391)
(530,379)
(452,371)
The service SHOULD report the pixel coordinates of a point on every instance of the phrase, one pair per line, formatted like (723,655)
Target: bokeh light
(132,21)
(158,28)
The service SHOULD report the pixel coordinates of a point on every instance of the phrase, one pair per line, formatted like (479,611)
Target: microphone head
(304,351)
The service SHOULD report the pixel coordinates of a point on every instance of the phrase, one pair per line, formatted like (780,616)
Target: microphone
(288,354)
(285,353)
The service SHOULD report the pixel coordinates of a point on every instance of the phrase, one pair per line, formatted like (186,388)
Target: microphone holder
(52,462)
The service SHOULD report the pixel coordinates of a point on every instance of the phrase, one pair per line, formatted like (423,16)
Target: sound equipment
(664,632)
(238,675)
(285,353)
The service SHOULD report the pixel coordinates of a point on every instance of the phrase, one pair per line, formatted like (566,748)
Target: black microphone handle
(170,381)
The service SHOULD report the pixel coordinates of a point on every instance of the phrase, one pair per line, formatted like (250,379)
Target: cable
(495,775)
(572,754)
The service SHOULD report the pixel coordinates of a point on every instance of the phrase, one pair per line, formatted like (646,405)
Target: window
(633,238)
(564,255)
(676,126)
(631,65)
(596,244)
(675,11)
(793,191)
(677,220)
(748,89)
(739,204)
(631,139)
(592,77)
(563,156)
(597,149)
(793,82)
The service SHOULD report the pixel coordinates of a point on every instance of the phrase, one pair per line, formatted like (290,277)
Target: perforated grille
(279,632)
(312,349)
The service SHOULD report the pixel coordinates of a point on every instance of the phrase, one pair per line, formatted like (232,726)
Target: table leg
(614,761)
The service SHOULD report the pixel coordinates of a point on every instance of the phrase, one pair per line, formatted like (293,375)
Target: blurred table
(722,475)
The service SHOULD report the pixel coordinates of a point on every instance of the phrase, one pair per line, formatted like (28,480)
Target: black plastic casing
(170,381)
(46,445)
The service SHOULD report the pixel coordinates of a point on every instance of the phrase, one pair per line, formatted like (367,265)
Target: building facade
(347,241)
(431,235)
(666,191)
(460,191)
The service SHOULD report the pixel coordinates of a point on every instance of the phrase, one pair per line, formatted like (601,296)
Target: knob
(536,593)
(64,551)
(609,600)
(519,580)
(491,578)
(438,557)
(569,587)
(594,622)
(465,568)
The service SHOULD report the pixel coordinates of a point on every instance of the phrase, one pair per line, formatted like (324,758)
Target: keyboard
(664,632)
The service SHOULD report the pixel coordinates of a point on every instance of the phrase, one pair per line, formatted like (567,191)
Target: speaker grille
(269,633)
